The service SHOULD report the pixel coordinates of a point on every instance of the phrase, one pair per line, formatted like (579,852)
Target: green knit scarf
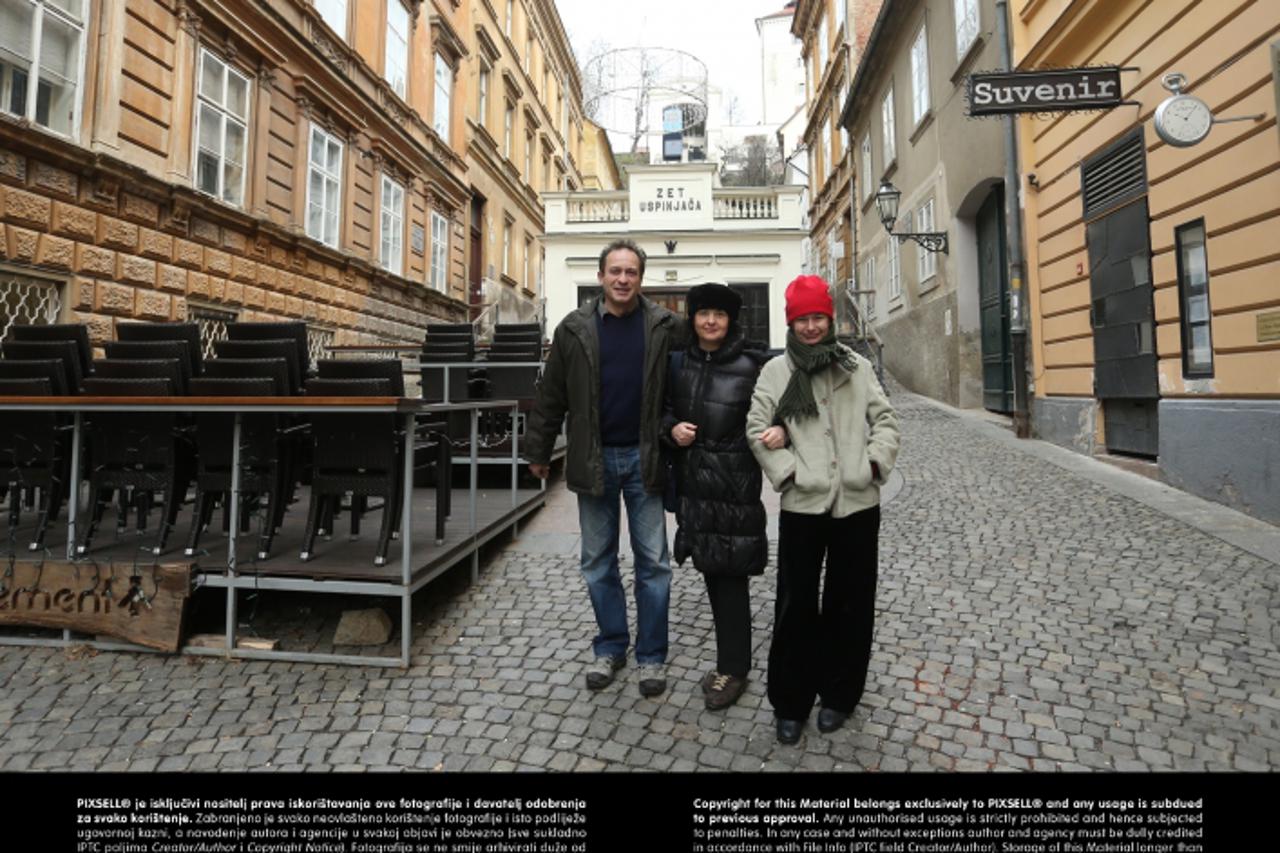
(797,402)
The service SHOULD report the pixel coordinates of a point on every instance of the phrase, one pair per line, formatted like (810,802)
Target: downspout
(1013,226)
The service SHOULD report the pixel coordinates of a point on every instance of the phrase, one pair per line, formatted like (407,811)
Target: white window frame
(889,131)
(528,259)
(331,202)
(825,133)
(926,261)
(968,17)
(869,272)
(822,44)
(443,97)
(391,222)
(894,269)
(78,25)
(221,191)
(508,129)
(920,102)
(867,166)
(507,227)
(396,56)
(528,158)
(482,106)
(508,26)
(437,275)
(333,13)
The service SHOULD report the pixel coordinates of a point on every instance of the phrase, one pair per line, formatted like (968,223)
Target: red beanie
(808,294)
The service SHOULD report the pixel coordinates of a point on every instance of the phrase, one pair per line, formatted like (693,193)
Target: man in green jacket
(605,373)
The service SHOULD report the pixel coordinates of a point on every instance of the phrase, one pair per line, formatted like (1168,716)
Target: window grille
(213,325)
(27,301)
(318,343)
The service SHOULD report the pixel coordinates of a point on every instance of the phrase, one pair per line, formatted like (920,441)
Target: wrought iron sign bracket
(931,241)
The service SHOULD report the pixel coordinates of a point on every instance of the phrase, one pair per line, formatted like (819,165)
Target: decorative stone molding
(189,20)
(106,190)
(327,48)
(179,214)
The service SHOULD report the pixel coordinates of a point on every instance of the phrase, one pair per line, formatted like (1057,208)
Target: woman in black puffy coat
(720,517)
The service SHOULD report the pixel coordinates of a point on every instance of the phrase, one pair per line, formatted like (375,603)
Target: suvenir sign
(1058,90)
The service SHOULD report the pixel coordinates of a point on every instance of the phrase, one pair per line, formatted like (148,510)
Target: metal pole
(234,510)
(515,464)
(73,496)
(406,540)
(475,484)
(1013,225)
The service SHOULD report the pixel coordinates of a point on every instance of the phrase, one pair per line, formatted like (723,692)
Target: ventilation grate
(1115,176)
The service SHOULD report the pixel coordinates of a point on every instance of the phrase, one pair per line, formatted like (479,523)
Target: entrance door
(1123,318)
(993,295)
(475,277)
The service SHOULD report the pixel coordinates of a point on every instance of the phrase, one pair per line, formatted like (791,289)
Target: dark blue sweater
(621,377)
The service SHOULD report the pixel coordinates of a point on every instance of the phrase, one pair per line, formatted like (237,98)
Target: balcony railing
(745,206)
(598,209)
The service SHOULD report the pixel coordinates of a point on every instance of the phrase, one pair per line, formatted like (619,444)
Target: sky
(722,33)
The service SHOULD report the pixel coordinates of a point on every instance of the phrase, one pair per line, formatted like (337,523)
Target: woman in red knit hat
(826,437)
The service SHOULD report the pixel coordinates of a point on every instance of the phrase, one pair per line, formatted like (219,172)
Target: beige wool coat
(826,464)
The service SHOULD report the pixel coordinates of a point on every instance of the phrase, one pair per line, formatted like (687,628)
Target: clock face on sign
(1183,120)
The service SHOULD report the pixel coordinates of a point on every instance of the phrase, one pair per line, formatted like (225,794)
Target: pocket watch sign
(1184,120)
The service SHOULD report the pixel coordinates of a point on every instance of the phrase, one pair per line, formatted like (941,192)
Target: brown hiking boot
(720,690)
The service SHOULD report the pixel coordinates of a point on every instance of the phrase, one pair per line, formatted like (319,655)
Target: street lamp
(887,199)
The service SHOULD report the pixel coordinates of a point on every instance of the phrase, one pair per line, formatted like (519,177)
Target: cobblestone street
(1037,611)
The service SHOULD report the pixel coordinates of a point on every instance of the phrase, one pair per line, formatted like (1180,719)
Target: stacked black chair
(37,445)
(64,351)
(358,454)
(292,331)
(138,454)
(264,455)
(73,332)
(431,442)
(276,348)
(32,448)
(447,343)
(520,342)
(259,377)
(153,354)
(189,333)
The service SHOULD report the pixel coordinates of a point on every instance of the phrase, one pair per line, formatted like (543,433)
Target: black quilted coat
(720,517)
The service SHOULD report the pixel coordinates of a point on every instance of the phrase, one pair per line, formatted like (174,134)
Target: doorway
(993,305)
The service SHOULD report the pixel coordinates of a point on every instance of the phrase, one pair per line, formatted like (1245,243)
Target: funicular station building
(693,232)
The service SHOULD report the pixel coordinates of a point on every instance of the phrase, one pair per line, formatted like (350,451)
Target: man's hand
(774,438)
(539,471)
(684,433)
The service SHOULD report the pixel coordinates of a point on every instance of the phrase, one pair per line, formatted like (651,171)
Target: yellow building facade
(1152,266)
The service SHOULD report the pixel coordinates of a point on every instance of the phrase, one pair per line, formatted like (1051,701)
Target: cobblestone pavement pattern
(1029,619)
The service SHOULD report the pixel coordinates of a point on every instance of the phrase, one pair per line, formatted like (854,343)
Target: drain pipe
(1013,225)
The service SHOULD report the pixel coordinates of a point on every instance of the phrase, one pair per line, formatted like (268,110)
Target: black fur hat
(713,296)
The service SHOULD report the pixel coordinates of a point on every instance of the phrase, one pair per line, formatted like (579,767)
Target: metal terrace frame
(408,408)
(515,434)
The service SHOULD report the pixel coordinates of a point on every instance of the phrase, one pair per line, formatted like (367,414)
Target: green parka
(570,387)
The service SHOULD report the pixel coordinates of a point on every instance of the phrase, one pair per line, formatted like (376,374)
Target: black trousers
(731,611)
(823,652)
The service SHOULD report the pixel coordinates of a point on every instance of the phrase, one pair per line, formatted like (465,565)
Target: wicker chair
(76,333)
(263,454)
(189,333)
(32,456)
(357,453)
(137,453)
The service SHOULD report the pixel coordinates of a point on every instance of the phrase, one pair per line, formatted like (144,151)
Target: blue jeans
(599,519)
